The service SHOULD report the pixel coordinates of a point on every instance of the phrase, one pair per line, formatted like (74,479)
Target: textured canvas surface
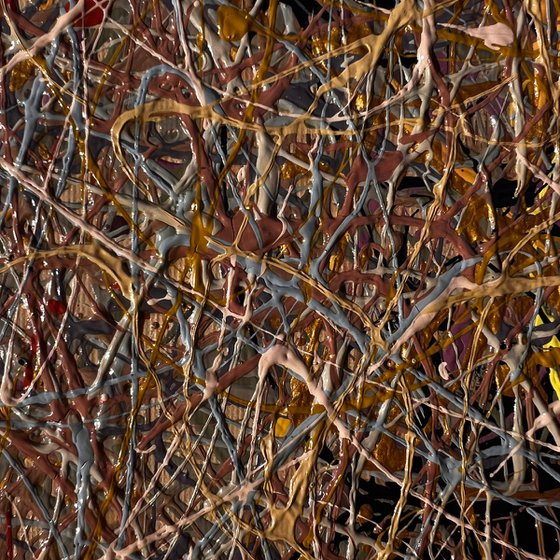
(279,279)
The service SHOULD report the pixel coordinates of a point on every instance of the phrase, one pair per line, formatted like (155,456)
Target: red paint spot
(34,345)
(93,13)
(27,375)
(56,307)
(9,540)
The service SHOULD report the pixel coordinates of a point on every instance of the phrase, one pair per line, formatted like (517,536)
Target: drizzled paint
(279,280)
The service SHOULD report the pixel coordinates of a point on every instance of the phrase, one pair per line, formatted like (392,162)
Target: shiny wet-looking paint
(279,280)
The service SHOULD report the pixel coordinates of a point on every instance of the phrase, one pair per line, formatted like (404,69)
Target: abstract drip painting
(279,279)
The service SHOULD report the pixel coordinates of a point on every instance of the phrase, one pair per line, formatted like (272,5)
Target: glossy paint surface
(279,279)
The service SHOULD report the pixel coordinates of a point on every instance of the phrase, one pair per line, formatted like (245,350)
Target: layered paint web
(279,280)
